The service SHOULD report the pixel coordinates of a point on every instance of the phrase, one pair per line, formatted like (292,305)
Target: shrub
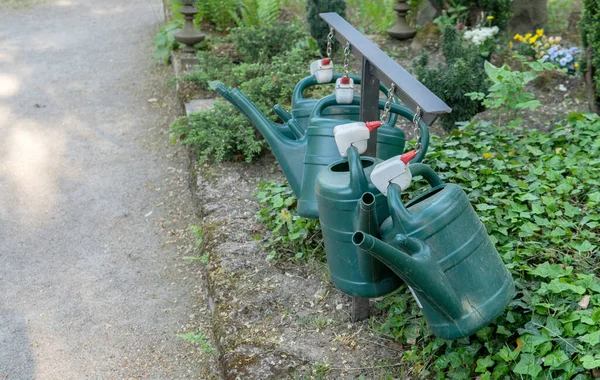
(462,73)
(261,44)
(375,15)
(590,37)
(258,12)
(220,133)
(219,13)
(317,27)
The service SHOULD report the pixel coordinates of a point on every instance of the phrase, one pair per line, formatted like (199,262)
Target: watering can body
(345,197)
(451,263)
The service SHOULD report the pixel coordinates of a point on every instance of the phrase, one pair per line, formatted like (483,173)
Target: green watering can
(348,201)
(303,158)
(439,247)
(302,108)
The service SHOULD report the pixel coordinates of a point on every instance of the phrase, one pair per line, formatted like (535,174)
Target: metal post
(360,309)
(369,103)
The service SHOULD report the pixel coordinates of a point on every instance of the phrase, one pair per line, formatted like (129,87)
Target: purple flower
(563,61)
(569,57)
(544,58)
(571,67)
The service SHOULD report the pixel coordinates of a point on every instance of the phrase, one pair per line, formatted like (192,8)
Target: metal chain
(388,104)
(346,58)
(329,39)
(417,131)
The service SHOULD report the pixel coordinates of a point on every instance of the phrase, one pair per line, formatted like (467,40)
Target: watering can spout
(289,153)
(412,261)
(367,215)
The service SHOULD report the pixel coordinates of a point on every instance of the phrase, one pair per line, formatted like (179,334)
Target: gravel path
(93,201)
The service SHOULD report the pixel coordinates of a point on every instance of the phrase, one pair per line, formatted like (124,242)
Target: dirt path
(94,205)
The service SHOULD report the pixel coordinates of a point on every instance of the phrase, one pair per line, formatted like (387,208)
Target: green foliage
(507,94)
(199,339)
(590,37)
(463,72)
(262,43)
(291,237)
(557,12)
(164,41)
(254,13)
(500,10)
(317,27)
(267,78)
(222,14)
(220,133)
(537,193)
(372,16)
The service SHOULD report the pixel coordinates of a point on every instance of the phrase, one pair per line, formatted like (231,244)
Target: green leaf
(484,363)
(585,246)
(590,362)
(555,359)
(547,270)
(592,339)
(528,365)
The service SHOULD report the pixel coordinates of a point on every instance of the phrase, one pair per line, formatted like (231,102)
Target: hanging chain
(417,131)
(388,104)
(329,39)
(346,58)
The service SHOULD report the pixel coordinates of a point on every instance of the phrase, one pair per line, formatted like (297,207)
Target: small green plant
(255,13)
(199,234)
(164,41)
(461,73)
(507,94)
(317,27)
(291,237)
(199,339)
(557,12)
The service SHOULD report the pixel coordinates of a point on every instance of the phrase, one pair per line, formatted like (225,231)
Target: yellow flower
(490,17)
(510,44)
(576,65)
(487,155)
(539,32)
(546,46)
(528,35)
(518,37)
(533,39)
(551,40)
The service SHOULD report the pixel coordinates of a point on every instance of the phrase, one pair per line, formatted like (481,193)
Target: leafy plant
(590,37)
(372,16)
(255,13)
(291,237)
(507,94)
(221,14)
(164,41)
(220,133)
(557,10)
(199,339)
(537,193)
(468,12)
(317,27)
(462,72)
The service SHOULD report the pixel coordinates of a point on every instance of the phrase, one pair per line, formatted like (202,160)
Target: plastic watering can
(303,158)
(439,247)
(347,201)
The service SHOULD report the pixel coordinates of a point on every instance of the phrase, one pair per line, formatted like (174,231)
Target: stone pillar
(189,36)
(528,16)
(401,30)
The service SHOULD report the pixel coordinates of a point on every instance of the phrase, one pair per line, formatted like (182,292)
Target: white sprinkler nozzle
(355,134)
(322,69)
(394,170)
(344,90)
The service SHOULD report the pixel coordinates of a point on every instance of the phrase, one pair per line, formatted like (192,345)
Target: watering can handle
(400,215)
(357,172)
(330,100)
(312,81)
(404,111)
